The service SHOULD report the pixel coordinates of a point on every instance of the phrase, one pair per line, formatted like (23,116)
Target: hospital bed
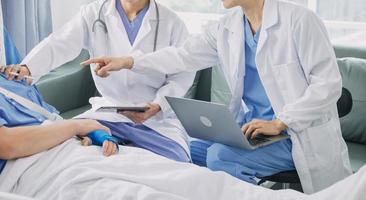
(75,83)
(71,171)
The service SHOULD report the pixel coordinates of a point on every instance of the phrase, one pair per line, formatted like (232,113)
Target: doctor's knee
(215,155)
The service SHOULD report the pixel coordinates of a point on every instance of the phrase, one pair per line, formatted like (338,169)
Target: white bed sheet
(71,171)
(8,196)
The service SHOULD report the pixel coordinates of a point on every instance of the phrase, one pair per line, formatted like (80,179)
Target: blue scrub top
(254,95)
(132,28)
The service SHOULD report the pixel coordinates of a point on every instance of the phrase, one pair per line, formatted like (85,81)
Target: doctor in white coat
(100,28)
(297,68)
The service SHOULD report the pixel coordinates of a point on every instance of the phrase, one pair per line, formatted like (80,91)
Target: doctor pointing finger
(118,28)
(283,76)
(104,65)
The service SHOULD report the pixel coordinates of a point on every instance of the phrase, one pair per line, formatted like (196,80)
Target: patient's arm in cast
(104,139)
(20,142)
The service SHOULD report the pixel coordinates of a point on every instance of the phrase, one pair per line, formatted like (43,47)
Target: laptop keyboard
(258,140)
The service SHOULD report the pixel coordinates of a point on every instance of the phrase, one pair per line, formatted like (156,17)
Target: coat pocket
(290,79)
(321,143)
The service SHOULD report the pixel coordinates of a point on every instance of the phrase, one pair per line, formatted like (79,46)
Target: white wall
(64,10)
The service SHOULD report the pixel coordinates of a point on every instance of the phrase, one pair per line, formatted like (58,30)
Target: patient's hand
(109,148)
(22,70)
(86,141)
(141,117)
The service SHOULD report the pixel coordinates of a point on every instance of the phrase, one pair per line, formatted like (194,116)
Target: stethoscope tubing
(104,25)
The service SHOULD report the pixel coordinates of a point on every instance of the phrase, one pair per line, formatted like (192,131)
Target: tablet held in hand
(119,109)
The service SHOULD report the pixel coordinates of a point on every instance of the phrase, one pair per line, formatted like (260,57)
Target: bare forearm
(26,141)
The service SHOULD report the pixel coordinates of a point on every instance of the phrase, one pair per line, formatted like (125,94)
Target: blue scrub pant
(140,136)
(241,163)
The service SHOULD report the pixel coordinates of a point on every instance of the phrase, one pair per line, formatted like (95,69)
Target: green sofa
(353,125)
(69,87)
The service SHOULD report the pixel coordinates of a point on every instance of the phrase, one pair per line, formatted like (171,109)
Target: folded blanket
(71,171)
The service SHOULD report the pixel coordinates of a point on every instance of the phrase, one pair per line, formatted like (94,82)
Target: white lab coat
(123,87)
(299,72)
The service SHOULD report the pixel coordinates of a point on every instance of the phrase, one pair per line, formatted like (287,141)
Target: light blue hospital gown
(241,163)
(12,114)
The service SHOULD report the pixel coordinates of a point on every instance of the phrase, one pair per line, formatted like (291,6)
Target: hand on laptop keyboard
(258,140)
(256,127)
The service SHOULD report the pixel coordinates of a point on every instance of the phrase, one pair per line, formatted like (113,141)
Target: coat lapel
(235,28)
(148,22)
(116,29)
(270,18)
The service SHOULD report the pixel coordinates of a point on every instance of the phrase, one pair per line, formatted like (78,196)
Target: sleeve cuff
(98,137)
(291,123)
(166,110)
(137,56)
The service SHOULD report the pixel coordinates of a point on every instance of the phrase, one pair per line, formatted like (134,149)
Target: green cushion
(220,91)
(357,155)
(72,113)
(69,86)
(213,87)
(191,93)
(350,51)
(204,85)
(353,71)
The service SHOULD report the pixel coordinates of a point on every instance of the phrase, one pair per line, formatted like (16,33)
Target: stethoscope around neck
(99,21)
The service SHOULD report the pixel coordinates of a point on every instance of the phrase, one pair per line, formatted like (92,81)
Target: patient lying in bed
(71,171)
(23,131)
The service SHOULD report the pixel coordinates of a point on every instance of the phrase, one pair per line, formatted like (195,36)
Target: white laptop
(214,122)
